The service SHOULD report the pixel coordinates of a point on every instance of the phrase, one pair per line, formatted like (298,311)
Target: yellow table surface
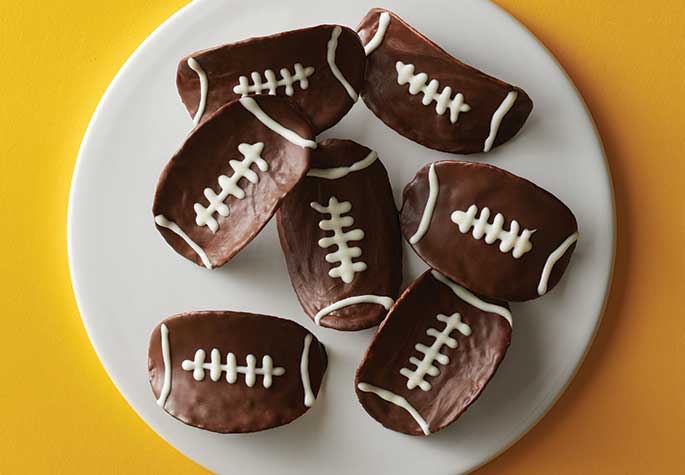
(623,413)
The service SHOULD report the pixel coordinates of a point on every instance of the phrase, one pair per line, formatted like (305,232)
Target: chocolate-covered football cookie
(432,356)
(425,94)
(229,177)
(320,69)
(340,235)
(493,232)
(233,371)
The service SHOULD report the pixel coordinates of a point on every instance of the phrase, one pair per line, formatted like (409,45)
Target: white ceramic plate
(127,279)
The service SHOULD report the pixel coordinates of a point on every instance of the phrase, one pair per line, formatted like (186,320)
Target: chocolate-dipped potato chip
(229,177)
(340,235)
(432,356)
(492,232)
(234,372)
(321,69)
(425,94)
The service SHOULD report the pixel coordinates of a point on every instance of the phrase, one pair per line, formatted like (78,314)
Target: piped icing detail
(375,42)
(304,373)
(552,259)
(271,83)
(166,358)
(497,117)
(432,354)
(195,66)
(515,240)
(230,186)
(344,253)
(397,400)
(340,172)
(443,101)
(471,299)
(162,221)
(386,302)
(232,369)
(433,189)
(251,106)
(330,57)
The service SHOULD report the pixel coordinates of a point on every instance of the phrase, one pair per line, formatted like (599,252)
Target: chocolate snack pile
(487,236)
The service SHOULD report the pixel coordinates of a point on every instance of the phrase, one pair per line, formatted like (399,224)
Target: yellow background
(624,412)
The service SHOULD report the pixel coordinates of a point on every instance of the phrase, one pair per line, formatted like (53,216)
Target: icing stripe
(304,371)
(166,357)
(552,259)
(162,221)
(497,117)
(377,39)
(354,300)
(252,107)
(433,189)
(339,172)
(471,299)
(330,57)
(195,66)
(398,401)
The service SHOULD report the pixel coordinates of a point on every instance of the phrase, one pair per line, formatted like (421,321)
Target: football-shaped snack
(321,69)
(230,176)
(493,232)
(234,372)
(425,94)
(340,234)
(432,356)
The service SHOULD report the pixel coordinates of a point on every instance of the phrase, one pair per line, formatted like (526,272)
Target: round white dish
(126,279)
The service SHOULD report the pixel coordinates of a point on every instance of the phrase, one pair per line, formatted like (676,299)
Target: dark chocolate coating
(324,102)
(373,209)
(205,156)
(472,262)
(405,113)
(218,406)
(458,384)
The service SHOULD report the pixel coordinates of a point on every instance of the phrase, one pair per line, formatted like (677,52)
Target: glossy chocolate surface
(219,406)
(406,113)
(373,210)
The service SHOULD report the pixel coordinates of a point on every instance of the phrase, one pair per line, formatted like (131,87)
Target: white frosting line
(383,22)
(304,372)
(443,100)
(231,186)
(271,84)
(339,172)
(510,240)
(166,357)
(252,107)
(471,299)
(162,221)
(398,401)
(432,354)
(330,57)
(386,302)
(195,66)
(497,117)
(552,259)
(198,366)
(433,189)
(344,253)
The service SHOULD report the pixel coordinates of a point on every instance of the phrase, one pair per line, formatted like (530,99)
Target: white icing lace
(510,240)
(443,101)
(432,354)
(344,254)
(230,186)
(198,367)
(271,83)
